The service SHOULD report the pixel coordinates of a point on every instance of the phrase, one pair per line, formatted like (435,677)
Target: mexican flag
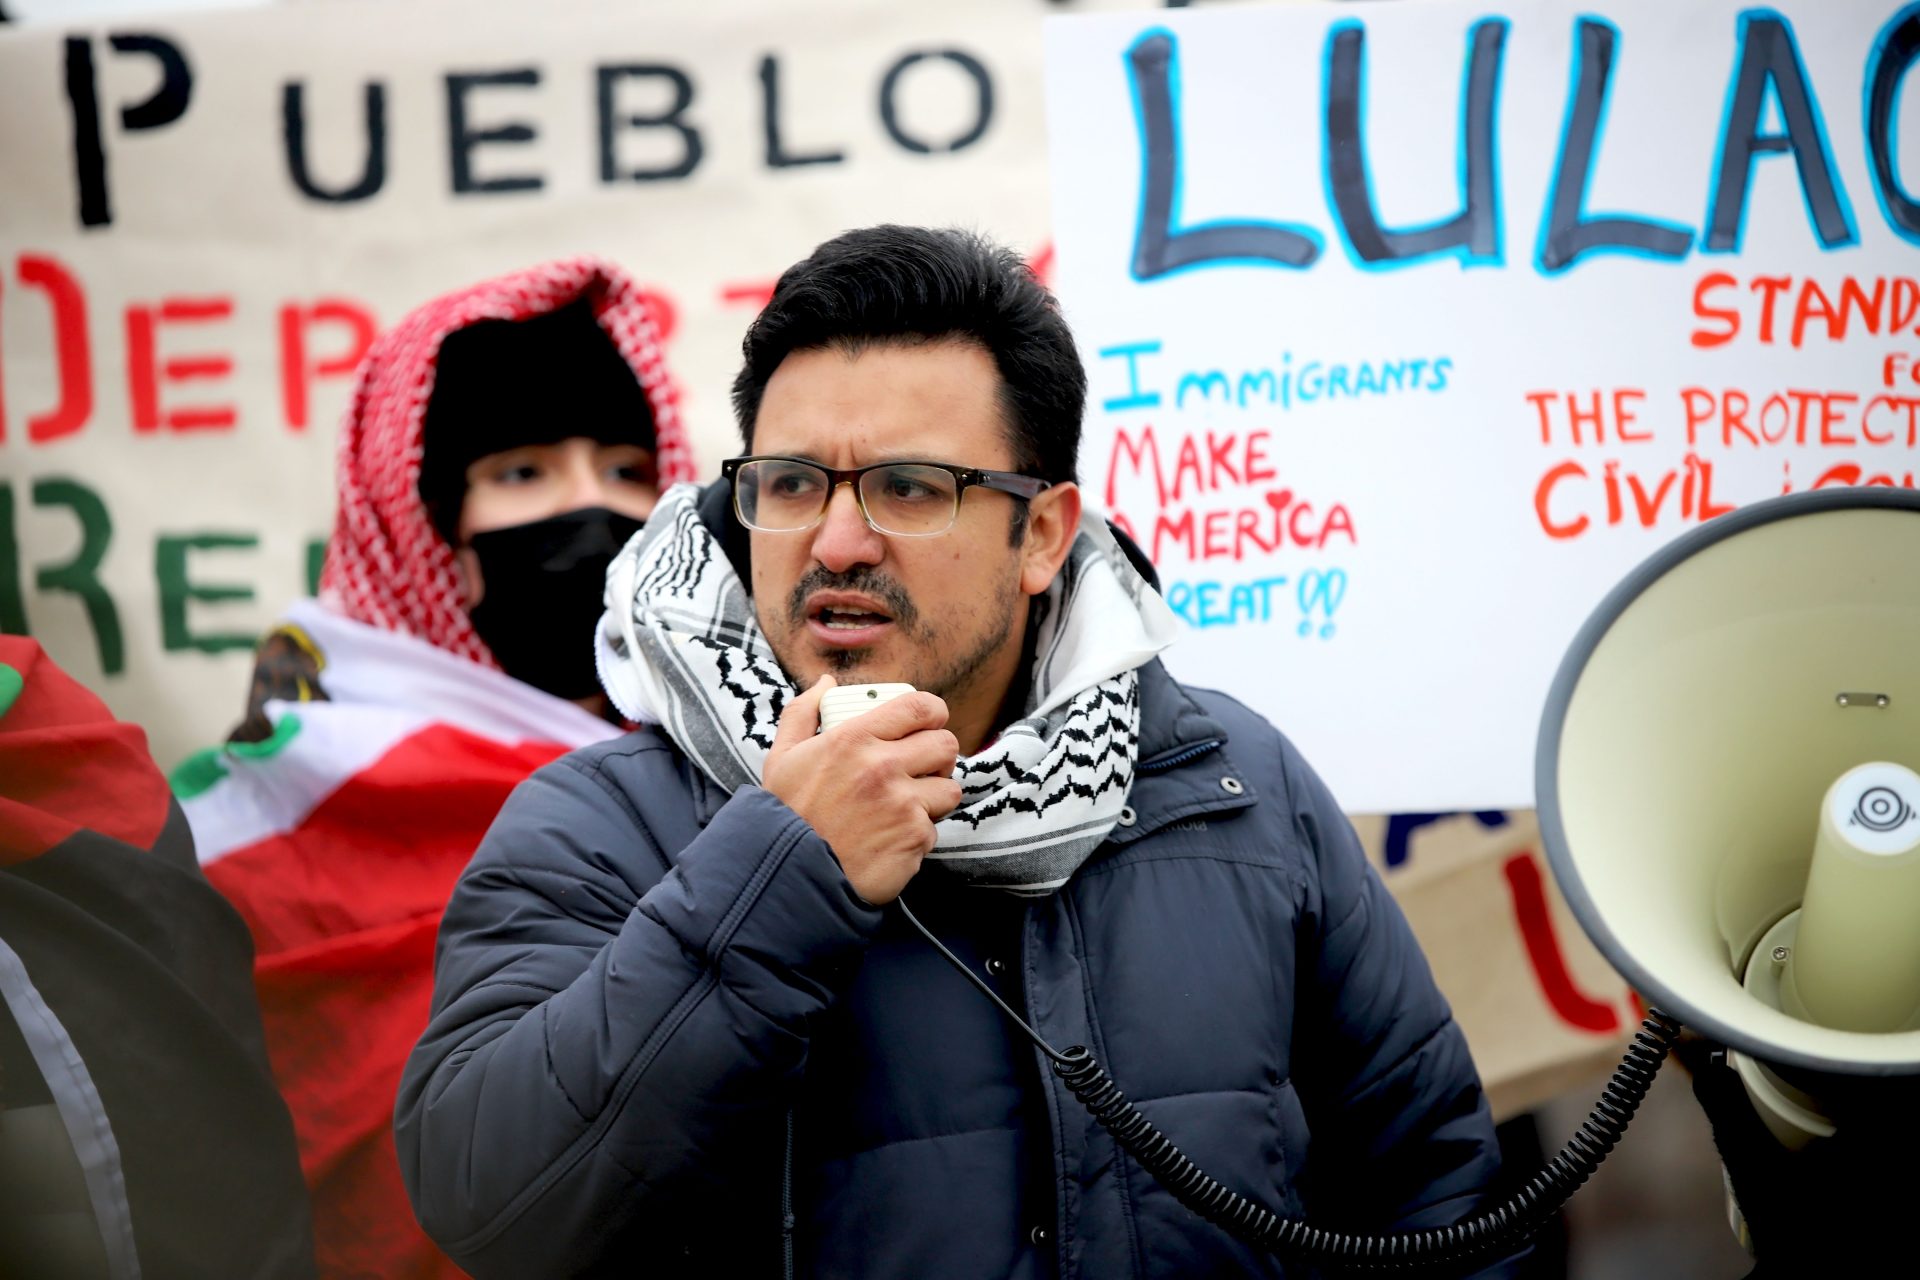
(377,764)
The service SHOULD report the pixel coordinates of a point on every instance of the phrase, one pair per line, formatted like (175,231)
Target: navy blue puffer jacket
(669,1039)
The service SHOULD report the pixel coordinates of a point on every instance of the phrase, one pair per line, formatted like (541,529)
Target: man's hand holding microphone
(872,786)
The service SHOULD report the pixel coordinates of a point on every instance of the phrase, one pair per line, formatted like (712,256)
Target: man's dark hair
(893,284)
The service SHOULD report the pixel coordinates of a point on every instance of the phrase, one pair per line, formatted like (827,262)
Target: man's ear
(1053,522)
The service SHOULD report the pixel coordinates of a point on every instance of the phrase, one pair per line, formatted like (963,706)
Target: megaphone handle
(1841,1206)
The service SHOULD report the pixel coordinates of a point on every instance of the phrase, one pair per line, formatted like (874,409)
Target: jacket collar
(1184,768)
(1171,722)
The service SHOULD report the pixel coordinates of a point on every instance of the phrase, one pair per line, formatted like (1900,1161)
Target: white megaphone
(1729,790)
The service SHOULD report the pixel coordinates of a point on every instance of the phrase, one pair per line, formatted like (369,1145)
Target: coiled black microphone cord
(1505,1226)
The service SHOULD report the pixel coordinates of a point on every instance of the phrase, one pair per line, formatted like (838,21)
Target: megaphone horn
(1728,777)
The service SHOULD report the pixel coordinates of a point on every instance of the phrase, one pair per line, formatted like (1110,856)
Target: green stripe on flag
(200,771)
(285,730)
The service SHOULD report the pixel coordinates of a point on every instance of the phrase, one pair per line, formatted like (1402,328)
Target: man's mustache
(865,580)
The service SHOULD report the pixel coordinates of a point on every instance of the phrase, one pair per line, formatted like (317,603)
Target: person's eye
(518,473)
(906,488)
(791,484)
(624,464)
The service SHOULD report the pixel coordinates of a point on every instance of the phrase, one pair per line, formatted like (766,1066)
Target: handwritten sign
(1412,329)
(206,218)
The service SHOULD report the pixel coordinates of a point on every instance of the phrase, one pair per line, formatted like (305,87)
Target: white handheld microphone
(844,702)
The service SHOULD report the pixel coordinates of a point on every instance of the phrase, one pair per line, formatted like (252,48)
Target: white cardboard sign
(1412,328)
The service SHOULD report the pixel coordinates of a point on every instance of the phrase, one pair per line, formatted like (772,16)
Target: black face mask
(543,584)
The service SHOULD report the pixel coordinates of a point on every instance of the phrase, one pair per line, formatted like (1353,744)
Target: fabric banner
(206,219)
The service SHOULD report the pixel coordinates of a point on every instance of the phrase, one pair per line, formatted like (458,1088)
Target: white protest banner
(205,219)
(1412,328)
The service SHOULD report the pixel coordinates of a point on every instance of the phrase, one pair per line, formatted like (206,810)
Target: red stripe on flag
(68,765)
(344,910)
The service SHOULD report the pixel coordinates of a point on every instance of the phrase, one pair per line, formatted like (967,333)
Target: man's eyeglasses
(906,499)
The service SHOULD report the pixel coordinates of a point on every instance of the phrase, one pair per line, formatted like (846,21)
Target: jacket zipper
(1178,758)
(786,1201)
(1193,752)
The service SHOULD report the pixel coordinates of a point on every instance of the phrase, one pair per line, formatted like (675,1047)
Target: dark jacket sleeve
(605,1029)
(1402,1135)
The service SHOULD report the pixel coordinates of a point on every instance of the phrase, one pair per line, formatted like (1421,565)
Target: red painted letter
(145,372)
(296,373)
(70,342)
(1531,912)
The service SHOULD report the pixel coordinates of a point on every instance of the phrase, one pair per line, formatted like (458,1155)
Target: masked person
(503,442)
(678,1025)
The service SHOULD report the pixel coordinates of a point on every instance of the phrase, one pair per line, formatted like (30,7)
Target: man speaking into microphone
(677,1025)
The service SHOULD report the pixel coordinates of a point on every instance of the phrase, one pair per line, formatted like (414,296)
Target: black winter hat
(505,384)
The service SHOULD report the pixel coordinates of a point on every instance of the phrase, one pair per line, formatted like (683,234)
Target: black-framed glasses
(777,494)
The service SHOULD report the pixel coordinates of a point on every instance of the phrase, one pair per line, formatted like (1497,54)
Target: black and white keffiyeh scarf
(679,646)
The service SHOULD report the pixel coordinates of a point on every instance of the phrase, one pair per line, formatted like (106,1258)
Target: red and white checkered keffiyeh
(387,566)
